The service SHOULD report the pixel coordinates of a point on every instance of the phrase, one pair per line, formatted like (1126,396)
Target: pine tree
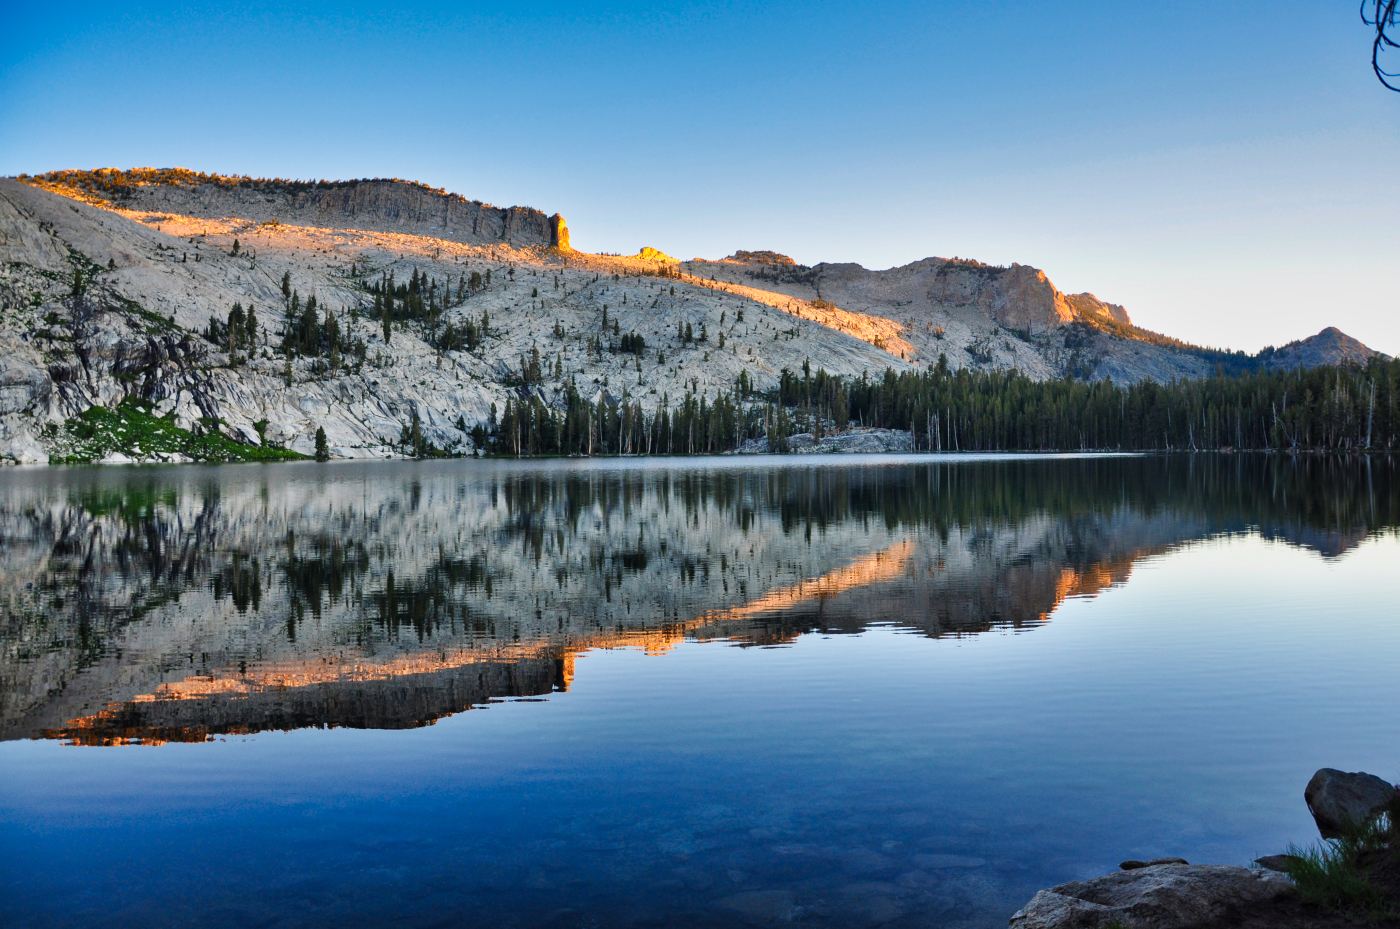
(323,450)
(236,324)
(417,444)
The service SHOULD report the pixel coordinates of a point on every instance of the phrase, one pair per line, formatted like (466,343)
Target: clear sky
(1225,170)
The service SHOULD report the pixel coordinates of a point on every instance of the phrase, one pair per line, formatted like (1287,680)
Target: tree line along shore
(1329,408)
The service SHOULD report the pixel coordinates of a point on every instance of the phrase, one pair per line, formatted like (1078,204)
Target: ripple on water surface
(897,691)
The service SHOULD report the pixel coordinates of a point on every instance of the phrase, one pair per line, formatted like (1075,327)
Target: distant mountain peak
(1331,346)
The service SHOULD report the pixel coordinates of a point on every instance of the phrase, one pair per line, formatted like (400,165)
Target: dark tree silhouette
(1382,15)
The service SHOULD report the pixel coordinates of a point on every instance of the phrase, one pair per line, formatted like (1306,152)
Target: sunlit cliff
(109,281)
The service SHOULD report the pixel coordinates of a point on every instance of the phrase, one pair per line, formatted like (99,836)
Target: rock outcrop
(763,257)
(1087,303)
(370,204)
(1338,800)
(1169,896)
(1019,297)
(559,233)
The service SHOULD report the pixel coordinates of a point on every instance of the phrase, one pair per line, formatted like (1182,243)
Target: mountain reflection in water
(150,606)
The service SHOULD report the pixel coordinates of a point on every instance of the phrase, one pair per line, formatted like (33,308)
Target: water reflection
(167,605)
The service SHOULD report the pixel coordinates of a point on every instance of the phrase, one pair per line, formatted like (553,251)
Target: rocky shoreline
(1355,815)
(850,441)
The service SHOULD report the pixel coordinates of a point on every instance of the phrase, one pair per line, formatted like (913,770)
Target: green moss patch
(133,431)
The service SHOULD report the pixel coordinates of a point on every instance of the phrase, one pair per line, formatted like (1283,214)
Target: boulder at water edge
(1336,798)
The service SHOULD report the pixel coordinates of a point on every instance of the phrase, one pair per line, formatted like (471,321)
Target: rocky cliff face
(153,281)
(373,205)
(1089,304)
(110,280)
(977,315)
(558,234)
(1019,297)
(998,317)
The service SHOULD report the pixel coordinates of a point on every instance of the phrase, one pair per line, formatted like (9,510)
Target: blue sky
(1224,170)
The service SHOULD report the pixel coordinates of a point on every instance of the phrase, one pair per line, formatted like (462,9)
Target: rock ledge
(1168,896)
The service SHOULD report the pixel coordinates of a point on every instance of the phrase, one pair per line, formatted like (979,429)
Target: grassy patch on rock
(1356,875)
(131,430)
(1331,877)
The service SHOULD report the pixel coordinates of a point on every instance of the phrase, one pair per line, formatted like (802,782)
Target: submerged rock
(1336,798)
(1164,896)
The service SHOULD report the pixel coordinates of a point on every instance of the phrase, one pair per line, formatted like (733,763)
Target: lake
(858,691)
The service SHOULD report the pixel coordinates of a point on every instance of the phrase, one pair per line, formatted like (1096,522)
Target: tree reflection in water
(176,604)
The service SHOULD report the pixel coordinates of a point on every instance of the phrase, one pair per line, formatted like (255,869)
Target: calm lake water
(885,691)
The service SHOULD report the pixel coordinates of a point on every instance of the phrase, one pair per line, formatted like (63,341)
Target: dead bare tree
(1381,14)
